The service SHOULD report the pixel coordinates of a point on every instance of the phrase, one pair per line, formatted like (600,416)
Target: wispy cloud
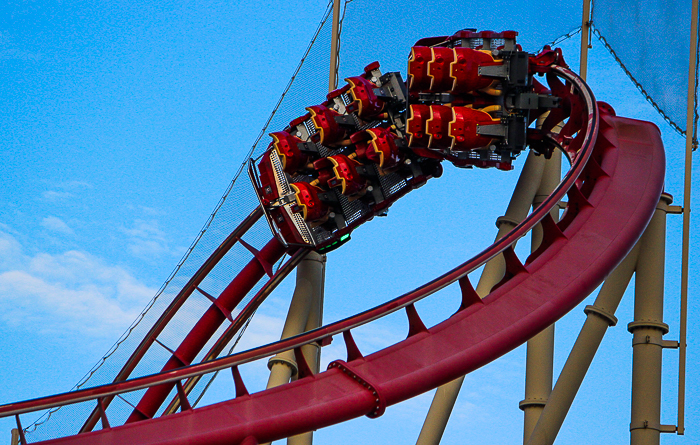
(74,185)
(263,329)
(146,240)
(65,190)
(10,249)
(53,195)
(148,211)
(56,224)
(69,292)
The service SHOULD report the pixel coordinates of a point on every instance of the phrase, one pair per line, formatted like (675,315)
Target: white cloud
(57,225)
(10,249)
(146,239)
(263,329)
(53,195)
(74,185)
(149,211)
(64,190)
(70,292)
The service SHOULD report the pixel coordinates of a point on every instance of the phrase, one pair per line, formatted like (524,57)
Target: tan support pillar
(335,37)
(304,314)
(14,440)
(306,310)
(551,176)
(647,331)
(312,352)
(518,207)
(690,145)
(523,196)
(600,316)
(585,43)
(439,412)
(539,367)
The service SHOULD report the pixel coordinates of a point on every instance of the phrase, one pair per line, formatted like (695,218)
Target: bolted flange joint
(648,324)
(507,220)
(530,402)
(283,361)
(602,313)
(379,401)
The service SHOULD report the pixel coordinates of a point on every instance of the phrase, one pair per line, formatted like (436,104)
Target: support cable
(84,380)
(641,88)
(561,38)
(690,146)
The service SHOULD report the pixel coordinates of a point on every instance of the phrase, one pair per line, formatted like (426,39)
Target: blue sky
(122,126)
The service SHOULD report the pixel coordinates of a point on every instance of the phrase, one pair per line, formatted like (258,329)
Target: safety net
(386,32)
(651,41)
(235,205)
(370,32)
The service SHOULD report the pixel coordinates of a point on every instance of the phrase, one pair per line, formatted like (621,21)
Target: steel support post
(523,196)
(689,146)
(539,367)
(585,43)
(306,309)
(335,37)
(439,412)
(600,316)
(304,314)
(312,351)
(648,329)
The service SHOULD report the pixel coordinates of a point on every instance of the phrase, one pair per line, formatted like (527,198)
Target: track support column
(600,316)
(305,312)
(312,351)
(647,331)
(523,196)
(14,440)
(306,309)
(539,367)
(585,34)
(691,144)
(335,38)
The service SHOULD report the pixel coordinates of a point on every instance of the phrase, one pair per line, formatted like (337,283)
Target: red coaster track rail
(613,186)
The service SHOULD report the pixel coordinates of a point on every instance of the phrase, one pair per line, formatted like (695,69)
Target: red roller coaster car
(469,99)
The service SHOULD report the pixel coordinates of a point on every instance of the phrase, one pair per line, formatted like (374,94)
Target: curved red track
(611,200)
(618,201)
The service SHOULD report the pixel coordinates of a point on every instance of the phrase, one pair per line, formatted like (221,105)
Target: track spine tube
(207,326)
(241,319)
(380,401)
(597,238)
(172,309)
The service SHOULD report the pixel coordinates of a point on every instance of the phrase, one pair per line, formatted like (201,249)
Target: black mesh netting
(651,41)
(370,32)
(386,32)
(237,202)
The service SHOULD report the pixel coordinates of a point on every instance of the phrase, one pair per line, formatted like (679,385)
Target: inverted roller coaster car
(469,99)
(341,164)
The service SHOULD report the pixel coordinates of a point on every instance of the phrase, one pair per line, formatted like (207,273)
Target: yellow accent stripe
(297,192)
